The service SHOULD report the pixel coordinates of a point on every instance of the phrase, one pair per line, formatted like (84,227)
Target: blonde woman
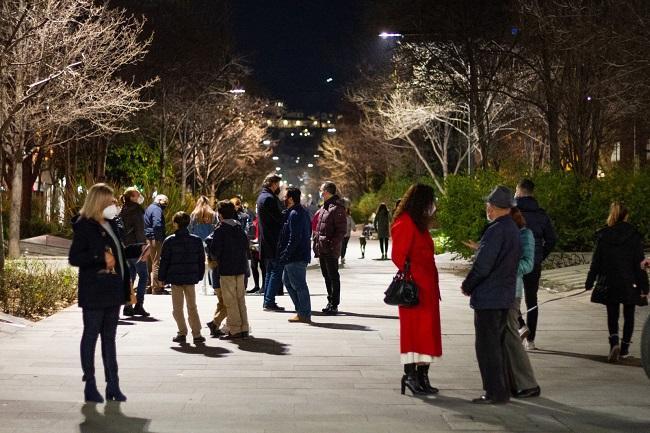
(104,285)
(617,276)
(203,220)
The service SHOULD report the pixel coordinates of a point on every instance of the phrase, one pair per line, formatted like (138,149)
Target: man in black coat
(545,238)
(491,284)
(270,221)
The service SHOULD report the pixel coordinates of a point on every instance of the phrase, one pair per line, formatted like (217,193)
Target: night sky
(293,46)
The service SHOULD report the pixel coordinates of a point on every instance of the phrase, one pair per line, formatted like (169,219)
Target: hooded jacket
(182,260)
(540,224)
(228,246)
(330,230)
(269,220)
(615,264)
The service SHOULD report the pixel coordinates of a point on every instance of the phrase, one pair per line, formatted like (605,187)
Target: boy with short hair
(182,264)
(229,248)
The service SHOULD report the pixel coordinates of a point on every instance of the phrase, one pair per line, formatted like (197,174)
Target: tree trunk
(14,211)
(553,125)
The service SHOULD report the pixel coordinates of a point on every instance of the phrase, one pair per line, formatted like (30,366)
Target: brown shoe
(298,319)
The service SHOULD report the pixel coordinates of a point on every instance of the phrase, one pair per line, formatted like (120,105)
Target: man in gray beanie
(491,285)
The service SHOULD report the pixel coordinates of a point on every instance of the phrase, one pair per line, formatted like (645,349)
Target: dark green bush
(33,290)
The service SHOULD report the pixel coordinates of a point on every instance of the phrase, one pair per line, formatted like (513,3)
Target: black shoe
(614,349)
(179,339)
(273,307)
(327,308)
(139,310)
(91,393)
(332,311)
(198,340)
(625,350)
(253,290)
(128,311)
(423,379)
(235,336)
(410,381)
(528,393)
(214,330)
(484,399)
(113,393)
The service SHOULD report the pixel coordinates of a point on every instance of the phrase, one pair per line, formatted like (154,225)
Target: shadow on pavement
(202,349)
(111,421)
(630,362)
(262,345)
(341,326)
(141,319)
(537,414)
(124,322)
(367,316)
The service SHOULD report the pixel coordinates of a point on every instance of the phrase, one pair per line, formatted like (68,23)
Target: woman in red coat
(420,338)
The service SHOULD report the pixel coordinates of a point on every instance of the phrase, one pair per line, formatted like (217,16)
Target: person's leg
(613,311)
(92,321)
(299,282)
(273,276)
(221,312)
(381,247)
(241,302)
(109,351)
(531,287)
(490,328)
(287,280)
(178,298)
(143,279)
(516,360)
(189,291)
(628,328)
(322,261)
(332,265)
(344,248)
(229,290)
(256,273)
(362,245)
(156,249)
(216,281)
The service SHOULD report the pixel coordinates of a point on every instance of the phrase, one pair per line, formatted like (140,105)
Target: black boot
(410,380)
(614,349)
(625,350)
(139,310)
(128,310)
(423,379)
(113,391)
(91,394)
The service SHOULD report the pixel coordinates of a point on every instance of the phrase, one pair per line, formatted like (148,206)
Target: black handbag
(599,295)
(402,290)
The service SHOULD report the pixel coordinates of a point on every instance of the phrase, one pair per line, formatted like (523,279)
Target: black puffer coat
(269,222)
(182,260)
(132,215)
(616,264)
(97,288)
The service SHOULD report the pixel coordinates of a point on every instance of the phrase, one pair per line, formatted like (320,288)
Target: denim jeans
(273,280)
(295,280)
(99,321)
(139,269)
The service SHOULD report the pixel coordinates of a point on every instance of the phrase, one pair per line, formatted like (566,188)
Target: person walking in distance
(328,237)
(348,233)
(294,252)
(491,285)
(420,335)
(132,215)
(154,230)
(182,264)
(545,238)
(618,278)
(382,226)
(270,220)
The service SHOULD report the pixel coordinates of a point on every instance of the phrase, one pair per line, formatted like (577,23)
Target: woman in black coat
(104,285)
(616,272)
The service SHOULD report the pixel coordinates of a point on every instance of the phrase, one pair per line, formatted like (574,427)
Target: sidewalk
(339,375)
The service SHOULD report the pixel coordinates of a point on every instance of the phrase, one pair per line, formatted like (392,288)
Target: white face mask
(140,199)
(111,212)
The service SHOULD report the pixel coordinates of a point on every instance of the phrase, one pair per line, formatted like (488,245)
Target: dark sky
(295,45)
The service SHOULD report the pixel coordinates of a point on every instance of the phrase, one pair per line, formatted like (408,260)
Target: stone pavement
(339,375)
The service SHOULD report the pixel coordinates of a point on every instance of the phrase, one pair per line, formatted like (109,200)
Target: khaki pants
(221,312)
(186,294)
(155,248)
(234,296)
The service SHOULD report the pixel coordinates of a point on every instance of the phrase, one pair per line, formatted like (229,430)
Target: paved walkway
(339,375)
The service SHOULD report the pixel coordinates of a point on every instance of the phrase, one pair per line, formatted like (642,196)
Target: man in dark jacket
(229,248)
(331,226)
(491,283)
(154,230)
(182,264)
(294,253)
(545,238)
(270,220)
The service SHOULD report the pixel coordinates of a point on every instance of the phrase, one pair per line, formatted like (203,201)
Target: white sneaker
(529,345)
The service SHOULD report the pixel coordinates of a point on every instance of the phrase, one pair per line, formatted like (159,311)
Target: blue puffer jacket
(295,237)
(493,278)
(154,222)
(182,260)
(527,260)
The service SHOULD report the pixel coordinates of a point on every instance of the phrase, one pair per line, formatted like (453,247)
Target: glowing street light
(329,80)
(237,91)
(275,158)
(386,35)
(310,165)
(266,142)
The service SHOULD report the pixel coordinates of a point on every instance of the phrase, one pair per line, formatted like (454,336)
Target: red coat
(419,325)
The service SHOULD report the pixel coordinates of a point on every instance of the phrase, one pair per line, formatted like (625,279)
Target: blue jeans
(273,280)
(99,321)
(295,280)
(139,269)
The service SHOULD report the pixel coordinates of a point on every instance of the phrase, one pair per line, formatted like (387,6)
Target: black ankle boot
(423,379)
(410,380)
(139,310)
(625,350)
(91,394)
(128,310)
(614,349)
(113,391)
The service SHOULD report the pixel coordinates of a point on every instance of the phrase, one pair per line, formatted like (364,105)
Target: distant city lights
(266,142)
(275,158)
(331,130)
(329,80)
(310,165)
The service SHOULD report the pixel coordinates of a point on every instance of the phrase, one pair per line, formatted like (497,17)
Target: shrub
(33,290)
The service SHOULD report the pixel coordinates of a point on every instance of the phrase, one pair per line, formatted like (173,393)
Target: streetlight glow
(386,35)
(267,142)
(275,158)
(238,91)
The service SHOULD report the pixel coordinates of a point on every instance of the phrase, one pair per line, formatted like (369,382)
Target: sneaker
(199,339)
(179,339)
(614,353)
(273,307)
(524,332)
(529,345)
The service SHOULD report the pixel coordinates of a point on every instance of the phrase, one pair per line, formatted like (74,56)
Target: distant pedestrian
(545,238)
(382,226)
(229,248)
(270,220)
(522,378)
(491,283)
(348,233)
(257,265)
(617,276)
(366,233)
(420,334)
(132,215)
(104,286)
(182,264)
(328,238)
(154,230)
(294,252)
(203,220)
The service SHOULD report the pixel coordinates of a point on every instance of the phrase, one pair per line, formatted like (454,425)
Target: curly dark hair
(416,202)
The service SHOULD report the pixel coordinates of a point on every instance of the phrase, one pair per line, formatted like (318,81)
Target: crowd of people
(224,247)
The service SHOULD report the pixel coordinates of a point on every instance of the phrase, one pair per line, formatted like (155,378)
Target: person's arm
(527,260)
(216,246)
(549,236)
(201,252)
(486,257)
(594,267)
(340,225)
(157,223)
(82,254)
(165,260)
(292,242)
(402,232)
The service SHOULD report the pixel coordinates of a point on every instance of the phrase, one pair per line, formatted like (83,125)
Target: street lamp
(237,91)
(387,35)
